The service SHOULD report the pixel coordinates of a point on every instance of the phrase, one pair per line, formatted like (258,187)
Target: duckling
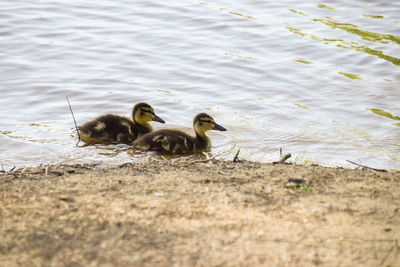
(177,142)
(111,128)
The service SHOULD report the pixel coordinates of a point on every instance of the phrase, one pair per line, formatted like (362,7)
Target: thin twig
(280,152)
(206,155)
(2,169)
(76,126)
(283,159)
(236,157)
(205,160)
(202,160)
(363,166)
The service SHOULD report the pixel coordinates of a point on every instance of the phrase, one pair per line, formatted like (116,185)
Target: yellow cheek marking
(145,118)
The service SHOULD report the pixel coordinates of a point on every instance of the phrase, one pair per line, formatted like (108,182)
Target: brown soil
(217,213)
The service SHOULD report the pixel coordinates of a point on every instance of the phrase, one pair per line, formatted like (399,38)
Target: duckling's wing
(168,141)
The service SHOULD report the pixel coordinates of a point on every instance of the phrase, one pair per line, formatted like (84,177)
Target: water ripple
(318,80)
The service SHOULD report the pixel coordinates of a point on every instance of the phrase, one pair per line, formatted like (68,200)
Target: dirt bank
(199,214)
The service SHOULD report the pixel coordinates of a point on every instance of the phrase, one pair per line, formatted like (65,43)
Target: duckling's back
(111,129)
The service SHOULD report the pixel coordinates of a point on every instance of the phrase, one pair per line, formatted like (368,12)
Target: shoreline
(165,212)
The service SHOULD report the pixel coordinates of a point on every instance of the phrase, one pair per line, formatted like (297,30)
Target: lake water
(321,79)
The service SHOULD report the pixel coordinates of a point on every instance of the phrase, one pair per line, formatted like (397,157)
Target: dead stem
(363,166)
(236,157)
(4,171)
(282,158)
(205,160)
(76,126)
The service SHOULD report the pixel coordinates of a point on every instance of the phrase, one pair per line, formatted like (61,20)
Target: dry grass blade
(76,126)
(4,171)
(363,166)
(205,160)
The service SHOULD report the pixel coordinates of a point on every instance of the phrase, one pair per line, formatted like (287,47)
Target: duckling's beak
(156,118)
(218,127)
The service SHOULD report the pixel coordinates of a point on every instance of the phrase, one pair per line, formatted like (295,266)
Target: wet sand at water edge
(216,213)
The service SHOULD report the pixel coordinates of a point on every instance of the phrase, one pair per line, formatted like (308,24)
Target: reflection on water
(350,45)
(366,35)
(318,79)
(351,76)
(385,114)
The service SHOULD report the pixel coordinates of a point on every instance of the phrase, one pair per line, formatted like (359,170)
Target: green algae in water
(325,7)
(241,15)
(240,56)
(380,54)
(297,31)
(348,45)
(301,106)
(353,29)
(386,114)
(374,16)
(326,40)
(365,35)
(5,132)
(297,12)
(351,76)
(302,60)
(162,90)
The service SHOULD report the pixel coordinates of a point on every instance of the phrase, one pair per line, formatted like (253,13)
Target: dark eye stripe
(208,121)
(148,111)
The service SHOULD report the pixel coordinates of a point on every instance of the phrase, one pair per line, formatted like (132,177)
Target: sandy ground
(219,213)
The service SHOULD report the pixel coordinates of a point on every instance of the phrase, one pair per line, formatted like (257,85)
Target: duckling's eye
(201,123)
(209,121)
(142,113)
